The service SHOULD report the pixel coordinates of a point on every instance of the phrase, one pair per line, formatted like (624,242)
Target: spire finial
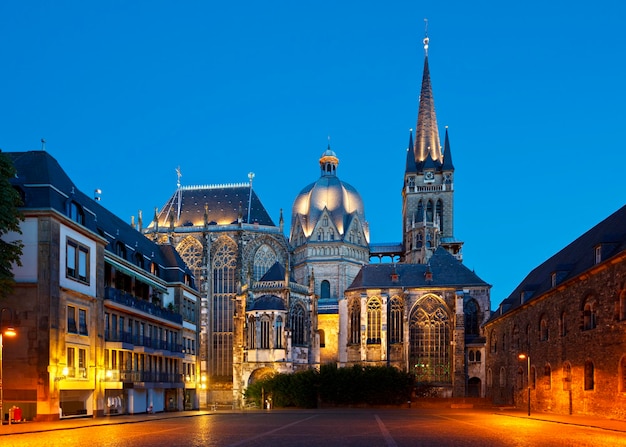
(426,37)
(43,144)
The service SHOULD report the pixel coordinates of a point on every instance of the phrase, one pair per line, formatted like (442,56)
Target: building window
(298,325)
(471,356)
(543,328)
(373,321)
(520,378)
(478,356)
(411,183)
(395,323)
(355,323)
(265,332)
(278,333)
(224,288)
(430,341)
(71,320)
(471,317)
(563,324)
(251,332)
(77,369)
(120,249)
(589,315)
(493,342)
(589,375)
(75,212)
(82,322)
(502,377)
(547,377)
(264,259)
(516,342)
(322,338)
(325,290)
(489,378)
(77,261)
(598,254)
(567,376)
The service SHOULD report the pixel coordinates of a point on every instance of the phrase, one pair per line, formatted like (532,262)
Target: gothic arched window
(251,332)
(589,375)
(325,289)
(190,249)
(298,325)
(471,317)
(429,211)
(224,288)
(439,212)
(265,332)
(355,323)
(395,323)
(264,258)
(430,341)
(544,329)
(278,333)
(589,315)
(373,321)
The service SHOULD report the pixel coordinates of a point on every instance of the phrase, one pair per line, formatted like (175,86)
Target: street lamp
(527,358)
(9,331)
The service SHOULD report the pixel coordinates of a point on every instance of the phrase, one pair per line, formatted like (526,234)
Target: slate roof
(275,273)
(268,302)
(224,204)
(447,271)
(571,261)
(45,185)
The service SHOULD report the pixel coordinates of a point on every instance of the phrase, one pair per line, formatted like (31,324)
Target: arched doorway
(474,387)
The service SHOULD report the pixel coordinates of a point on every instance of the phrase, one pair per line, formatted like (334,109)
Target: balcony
(114,375)
(126,299)
(146,342)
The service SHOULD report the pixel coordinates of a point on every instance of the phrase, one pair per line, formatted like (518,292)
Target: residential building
(106,318)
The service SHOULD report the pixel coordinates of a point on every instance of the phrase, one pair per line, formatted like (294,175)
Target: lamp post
(9,331)
(527,358)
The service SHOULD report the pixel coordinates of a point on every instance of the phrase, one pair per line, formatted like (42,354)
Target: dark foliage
(10,218)
(358,385)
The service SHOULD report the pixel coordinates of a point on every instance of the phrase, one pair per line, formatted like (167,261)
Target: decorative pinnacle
(178,176)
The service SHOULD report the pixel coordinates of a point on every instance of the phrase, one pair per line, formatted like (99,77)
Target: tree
(10,218)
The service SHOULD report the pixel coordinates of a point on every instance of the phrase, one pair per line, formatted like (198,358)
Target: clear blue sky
(533,93)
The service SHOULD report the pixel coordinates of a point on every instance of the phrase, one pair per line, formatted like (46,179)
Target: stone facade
(569,316)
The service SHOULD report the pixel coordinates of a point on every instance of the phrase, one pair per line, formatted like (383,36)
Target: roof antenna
(426,37)
(43,144)
(250,177)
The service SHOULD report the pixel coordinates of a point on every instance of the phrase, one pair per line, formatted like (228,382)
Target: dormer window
(75,212)
(598,254)
(553,279)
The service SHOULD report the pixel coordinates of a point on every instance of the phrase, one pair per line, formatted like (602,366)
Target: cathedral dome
(341,201)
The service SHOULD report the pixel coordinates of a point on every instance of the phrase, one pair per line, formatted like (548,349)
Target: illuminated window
(429,333)
(395,323)
(77,261)
(355,323)
(373,321)
(224,289)
(589,375)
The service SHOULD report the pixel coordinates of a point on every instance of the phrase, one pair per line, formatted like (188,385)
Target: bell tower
(428,190)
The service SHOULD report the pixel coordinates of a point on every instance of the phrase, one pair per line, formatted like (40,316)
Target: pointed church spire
(410,155)
(426,132)
(447,154)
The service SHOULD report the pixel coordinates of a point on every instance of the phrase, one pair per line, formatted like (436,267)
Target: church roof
(275,273)
(267,302)
(224,205)
(447,154)
(609,237)
(340,199)
(445,269)
(426,132)
(45,185)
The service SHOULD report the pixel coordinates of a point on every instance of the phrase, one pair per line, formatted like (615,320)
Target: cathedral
(275,304)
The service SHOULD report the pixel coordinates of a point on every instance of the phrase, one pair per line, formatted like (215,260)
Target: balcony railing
(147,342)
(114,375)
(121,297)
